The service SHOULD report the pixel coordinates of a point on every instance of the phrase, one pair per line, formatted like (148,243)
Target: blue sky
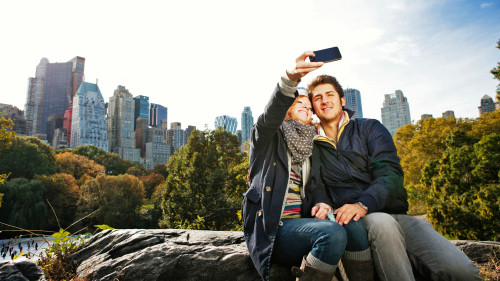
(202,59)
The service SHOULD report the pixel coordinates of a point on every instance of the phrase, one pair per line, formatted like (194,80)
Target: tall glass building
(156,114)
(227,123)
(141,108)
(56,93)
(246,123)
(353,102)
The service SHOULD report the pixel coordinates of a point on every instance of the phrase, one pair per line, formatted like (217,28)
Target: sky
(203,59)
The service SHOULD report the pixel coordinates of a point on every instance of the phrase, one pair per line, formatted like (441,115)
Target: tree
(422,141)
(118,199)
(160,169)
(27,157)
(113,163)
(23,204)
(6,137)
(206,179)
(464,188)
(89,151)
(77,165)
(150,183)
(137,170)
(496,74)
(62,193)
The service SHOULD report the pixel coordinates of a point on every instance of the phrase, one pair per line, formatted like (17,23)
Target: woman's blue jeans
(324,239)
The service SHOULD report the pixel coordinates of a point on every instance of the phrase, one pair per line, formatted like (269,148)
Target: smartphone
(326,55)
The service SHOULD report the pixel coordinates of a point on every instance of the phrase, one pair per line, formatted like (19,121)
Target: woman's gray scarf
(299,139)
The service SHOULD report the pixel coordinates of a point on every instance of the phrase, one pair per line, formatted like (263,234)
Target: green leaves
(205,181)
(103,226)
(61,236)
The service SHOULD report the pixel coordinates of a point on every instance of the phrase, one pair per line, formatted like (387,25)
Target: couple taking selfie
(333,191)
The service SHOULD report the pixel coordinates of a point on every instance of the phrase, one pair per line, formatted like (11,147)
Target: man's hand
(348,211)
(320,211)
(302,68)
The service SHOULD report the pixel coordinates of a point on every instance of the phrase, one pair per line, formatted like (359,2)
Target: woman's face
(301,110)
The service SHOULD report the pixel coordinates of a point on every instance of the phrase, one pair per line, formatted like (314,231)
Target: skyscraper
(246,123)
(140,134)
(156,148)
(448,114)
(188,132)
(88,126)
(395,111)
(487,105)
(175,137)
(33,106)
(141,104)
(68,118)
(77,74)
(56,93)
(353,102)
(120,125)
(425,116)
(156,114)
(227,123)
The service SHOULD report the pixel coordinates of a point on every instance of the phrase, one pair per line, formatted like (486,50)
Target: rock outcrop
(171,254)
(20,269)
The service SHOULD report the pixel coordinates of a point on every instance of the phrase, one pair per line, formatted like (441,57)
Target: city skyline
(420,47)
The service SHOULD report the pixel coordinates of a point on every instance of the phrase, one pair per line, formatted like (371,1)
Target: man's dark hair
(325,79)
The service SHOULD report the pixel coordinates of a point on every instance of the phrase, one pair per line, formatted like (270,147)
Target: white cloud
(399,6)
(486,5)
(400,51)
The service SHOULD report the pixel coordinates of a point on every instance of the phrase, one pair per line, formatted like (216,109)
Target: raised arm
(282,98)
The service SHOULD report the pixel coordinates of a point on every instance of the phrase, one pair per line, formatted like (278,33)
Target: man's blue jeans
(400,242)
(324,239)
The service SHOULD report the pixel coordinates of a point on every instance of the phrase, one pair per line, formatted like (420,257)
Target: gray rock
(477,251)
(169,254)
(20,269)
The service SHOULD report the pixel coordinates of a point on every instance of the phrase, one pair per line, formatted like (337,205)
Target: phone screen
(326,55)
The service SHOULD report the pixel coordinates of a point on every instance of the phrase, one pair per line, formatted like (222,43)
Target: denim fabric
(325,239)
(357,238)
(400,242)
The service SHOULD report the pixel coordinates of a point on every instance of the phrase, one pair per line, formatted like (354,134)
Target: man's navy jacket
(363,166)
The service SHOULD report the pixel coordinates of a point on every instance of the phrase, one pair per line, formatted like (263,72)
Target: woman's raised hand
(303,67)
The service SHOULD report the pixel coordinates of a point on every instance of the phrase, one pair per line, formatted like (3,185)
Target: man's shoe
(359,270)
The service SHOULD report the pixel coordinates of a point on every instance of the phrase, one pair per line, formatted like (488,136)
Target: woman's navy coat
(269,174)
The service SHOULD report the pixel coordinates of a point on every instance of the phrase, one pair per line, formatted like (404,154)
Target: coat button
(268,188)
(274,164)
(259,213)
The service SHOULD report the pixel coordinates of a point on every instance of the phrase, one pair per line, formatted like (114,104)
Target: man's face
(327,103)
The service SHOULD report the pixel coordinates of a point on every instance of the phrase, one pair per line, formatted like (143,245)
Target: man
(362,173)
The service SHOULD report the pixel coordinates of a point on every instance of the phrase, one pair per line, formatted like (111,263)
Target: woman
(284,212)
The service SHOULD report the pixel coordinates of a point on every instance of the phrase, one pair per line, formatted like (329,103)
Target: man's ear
(342,100)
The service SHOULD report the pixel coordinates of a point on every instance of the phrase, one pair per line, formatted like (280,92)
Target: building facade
(140,134)
(188,132)
(395,111)
(33,106)
(88,125)
(425,116)
(77,74)
(141,107)
(175,137)
(120,125)
(487,105)
(246,123)
(448,114)
(68,118)
(156,147)
(157,113)
(56,94)
(227,123)
(353,102)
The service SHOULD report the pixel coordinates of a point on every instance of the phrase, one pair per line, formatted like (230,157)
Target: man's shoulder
(366,123)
